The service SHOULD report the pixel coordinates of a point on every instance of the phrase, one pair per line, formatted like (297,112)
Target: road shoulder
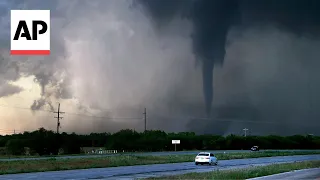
(313,173)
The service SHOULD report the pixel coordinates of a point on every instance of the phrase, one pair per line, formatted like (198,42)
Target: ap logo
(30,32)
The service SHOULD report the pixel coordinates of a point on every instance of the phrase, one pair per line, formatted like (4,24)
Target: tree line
(46,142)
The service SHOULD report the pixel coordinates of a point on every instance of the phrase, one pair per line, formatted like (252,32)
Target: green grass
(2,156)
(37,156)
(226,156)
(246,173)
(55,164)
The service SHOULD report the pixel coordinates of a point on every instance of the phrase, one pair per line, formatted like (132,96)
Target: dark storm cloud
(214,18)
(38,104)
(211,21)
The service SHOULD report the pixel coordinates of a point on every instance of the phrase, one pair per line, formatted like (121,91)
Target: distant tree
(44,142)
(15,147)
(3,141)
(71,144)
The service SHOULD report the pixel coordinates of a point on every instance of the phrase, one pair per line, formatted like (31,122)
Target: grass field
(246,173)
(55,164)
(2,156)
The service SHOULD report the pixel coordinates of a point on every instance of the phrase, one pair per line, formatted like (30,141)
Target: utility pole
(245,132)
(145,119)
(58,118)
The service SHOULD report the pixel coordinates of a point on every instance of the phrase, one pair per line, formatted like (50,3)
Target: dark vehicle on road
(255,148)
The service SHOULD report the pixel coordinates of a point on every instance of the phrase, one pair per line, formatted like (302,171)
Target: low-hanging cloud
(9,89)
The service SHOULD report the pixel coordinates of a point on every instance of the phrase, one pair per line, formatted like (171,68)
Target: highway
(139,154)
(144,171)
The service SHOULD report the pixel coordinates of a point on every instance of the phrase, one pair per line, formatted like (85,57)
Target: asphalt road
(313,173)
(139,154)
(144,171)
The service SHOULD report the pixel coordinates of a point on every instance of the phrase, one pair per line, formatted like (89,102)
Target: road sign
(175,141)
(30,32)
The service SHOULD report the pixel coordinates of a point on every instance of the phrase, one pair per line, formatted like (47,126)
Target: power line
(70,113)
(231,120)
(11,131)
(24,108)
(103,117)
(139,118)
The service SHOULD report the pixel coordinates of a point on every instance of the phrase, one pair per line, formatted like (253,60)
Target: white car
(206,158)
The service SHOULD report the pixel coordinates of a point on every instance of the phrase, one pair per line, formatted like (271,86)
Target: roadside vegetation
(56,164)
(247,173)
(43,142)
